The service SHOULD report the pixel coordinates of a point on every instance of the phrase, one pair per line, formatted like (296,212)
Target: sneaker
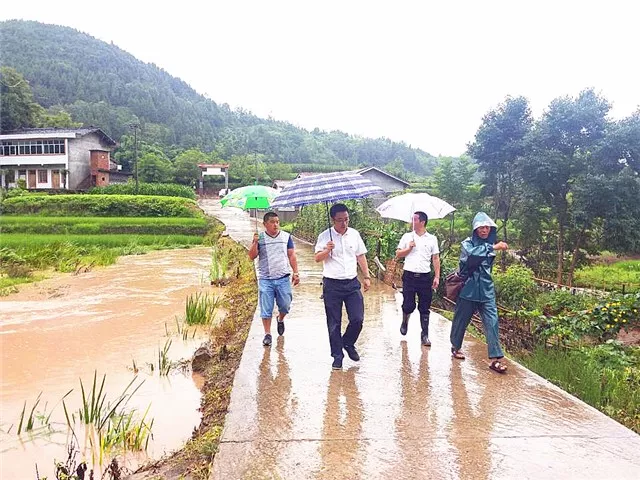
(425,341)
(280,327)
(337,364)
(353,353)
(266,341)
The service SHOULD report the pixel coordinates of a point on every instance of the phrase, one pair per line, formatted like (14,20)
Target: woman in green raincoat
(478,293)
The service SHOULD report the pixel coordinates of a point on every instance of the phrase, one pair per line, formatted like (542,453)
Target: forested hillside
(100,84)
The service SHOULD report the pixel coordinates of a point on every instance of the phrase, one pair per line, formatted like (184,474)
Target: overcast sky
(422,72)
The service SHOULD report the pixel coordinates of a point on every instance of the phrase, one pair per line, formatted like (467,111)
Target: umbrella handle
(326,204)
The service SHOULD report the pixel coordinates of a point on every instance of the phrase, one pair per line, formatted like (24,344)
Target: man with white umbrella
(419,249)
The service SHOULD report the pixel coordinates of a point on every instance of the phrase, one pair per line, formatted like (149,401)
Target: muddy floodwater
(61,330)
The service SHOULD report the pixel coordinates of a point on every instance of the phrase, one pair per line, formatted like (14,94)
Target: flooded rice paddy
(112,321)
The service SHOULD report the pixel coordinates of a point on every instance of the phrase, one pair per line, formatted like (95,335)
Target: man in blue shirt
(276,258)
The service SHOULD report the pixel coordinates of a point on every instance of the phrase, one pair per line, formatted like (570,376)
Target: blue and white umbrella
(325,188)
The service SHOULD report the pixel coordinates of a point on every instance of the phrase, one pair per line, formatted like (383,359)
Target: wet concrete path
(404,411)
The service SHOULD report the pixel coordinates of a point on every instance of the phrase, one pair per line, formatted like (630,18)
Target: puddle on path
(61,330)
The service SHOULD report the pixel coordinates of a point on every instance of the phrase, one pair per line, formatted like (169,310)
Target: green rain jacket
(477,256)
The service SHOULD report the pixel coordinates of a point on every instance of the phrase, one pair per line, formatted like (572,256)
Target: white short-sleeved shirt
(342,263)
(419,258)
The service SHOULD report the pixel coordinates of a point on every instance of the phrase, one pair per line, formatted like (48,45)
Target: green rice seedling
(21,242)
(67,225)
(41,419)
(201,309)
(224,263)
(30,420)
(215,271)
(219,265)
(126,432)
(185,334)
(183,330)
(95,409)
(611,277)
(164,362)
(9,285)
(71,419)
(103,257)
(47,419)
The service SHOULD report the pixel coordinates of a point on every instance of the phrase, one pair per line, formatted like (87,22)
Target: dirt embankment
(227,343)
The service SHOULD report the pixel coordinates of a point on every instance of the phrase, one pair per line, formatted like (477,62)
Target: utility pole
(135,128)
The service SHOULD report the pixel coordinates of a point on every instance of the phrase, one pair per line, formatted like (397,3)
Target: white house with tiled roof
(58,158)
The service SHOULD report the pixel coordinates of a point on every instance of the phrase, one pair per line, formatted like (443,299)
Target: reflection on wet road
(404,411)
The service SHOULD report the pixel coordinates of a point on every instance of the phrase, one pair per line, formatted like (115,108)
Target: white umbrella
(404,206)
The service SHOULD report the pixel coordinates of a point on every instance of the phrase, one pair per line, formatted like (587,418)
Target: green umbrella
(256,197)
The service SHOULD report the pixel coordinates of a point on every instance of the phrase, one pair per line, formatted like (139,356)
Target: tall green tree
(17,106)
(247,169)
(561,150)
(154,167)
(621,146)
(186,170)
(453,179)
(498,144)
(57,117)
(279,171)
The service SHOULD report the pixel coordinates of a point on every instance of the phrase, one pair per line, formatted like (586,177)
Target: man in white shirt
(419,250)
(341,250)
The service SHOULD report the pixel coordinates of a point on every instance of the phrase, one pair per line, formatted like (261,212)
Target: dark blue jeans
(335,294)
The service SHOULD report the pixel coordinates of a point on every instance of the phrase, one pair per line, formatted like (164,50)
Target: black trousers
(420,285)
(335,294)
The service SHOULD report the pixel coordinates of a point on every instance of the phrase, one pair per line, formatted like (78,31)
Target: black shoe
(424,325)
(280,327)
(266,341)
(405,324)
(353,353)
(337,364)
